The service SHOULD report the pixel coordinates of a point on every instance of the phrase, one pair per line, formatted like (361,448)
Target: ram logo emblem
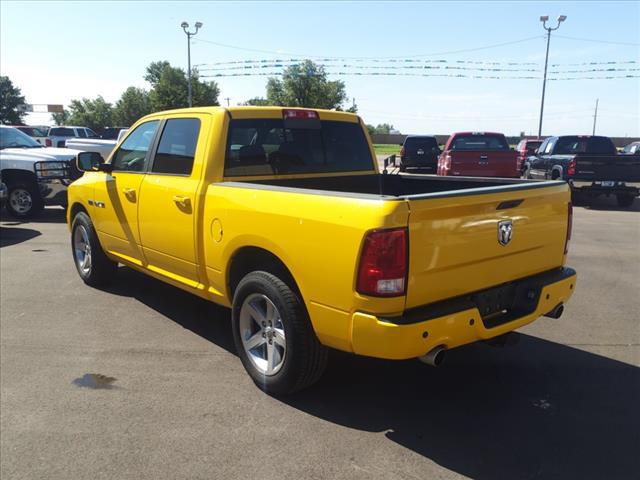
(505,232)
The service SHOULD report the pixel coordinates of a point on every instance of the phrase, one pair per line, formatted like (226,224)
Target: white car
(58,136)
(103,147)
(35,175)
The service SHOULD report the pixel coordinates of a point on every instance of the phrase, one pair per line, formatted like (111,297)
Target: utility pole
(227,99)
(595,117)
(185,26)
(544,19)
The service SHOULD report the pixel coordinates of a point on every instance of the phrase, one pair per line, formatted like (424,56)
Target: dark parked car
(111,133)
(632,149)
(590,164)
(420,152)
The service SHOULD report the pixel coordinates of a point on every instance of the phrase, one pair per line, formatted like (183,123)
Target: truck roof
(260,112)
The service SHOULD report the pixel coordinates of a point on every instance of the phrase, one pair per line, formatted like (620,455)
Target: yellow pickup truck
(283,215)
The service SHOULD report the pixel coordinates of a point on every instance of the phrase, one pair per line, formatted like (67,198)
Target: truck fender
(11,176)
(556,172)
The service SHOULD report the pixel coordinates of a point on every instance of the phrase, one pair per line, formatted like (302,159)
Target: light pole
(185,26)
(544,19)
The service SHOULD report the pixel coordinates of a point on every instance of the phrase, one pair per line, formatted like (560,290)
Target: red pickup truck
(478,154)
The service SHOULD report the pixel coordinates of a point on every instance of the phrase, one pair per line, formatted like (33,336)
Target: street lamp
(544,19)
(185,26)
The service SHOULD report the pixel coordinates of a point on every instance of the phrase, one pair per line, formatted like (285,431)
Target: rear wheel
(93,266)
(273,335)
(24,200)
(625,200)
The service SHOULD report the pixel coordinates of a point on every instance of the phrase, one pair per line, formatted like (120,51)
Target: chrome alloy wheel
(82,249)
(21,201)
(262,333)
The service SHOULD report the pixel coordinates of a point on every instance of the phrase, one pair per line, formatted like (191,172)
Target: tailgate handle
(483,157)
(509,204)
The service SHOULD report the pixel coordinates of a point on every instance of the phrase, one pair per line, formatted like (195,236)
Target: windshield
(269,147)
(14,138)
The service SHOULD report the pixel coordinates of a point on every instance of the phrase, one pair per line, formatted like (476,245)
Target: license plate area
(505,303)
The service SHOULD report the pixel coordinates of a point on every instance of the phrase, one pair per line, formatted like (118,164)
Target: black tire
(101,269)
(403,168)
(304,359)
(625,200)
(24,200)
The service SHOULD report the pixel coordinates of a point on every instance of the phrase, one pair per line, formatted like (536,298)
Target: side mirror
(92,162)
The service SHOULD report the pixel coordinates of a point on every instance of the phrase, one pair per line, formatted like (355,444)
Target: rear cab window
(479,142)
(61,132)
(421,143)
(279,147)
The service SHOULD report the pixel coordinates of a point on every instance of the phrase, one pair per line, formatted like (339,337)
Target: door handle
(181,200)
(130,193)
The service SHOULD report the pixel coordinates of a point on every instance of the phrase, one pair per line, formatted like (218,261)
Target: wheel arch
(250,258)
(11,176)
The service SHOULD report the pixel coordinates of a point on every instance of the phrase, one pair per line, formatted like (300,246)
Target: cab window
(177,147)
(132,154)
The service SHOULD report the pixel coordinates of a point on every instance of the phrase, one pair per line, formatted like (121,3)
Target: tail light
(569,228)
(571,168)
(402,152)
(47,142)
(290,114)
(382,271)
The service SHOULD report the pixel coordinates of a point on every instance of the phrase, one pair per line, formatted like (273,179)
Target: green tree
(383,128)
(12,103)
(95,114)
(258,102)
(133,104)
(61,118)
(306,85)
(170,87)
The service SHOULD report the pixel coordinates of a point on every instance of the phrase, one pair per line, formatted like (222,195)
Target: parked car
(35,175)
(103,147)
(111,133)
(632,149)
(526,148)
(4,192)
(58,136)
(39,134)
(282,215)
(590,164)
(419,152)
(478,154)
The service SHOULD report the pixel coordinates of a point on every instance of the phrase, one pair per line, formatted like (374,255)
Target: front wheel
(93,266)
(625,200)
(273,335)
(24,200)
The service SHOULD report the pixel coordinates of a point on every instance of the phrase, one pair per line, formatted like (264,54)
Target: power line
(434,54)
(631,44)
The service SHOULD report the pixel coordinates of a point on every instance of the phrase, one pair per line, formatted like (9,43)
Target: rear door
(168,205)
(455,247)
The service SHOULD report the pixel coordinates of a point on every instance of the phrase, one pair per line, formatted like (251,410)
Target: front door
(116,199)
(167,211)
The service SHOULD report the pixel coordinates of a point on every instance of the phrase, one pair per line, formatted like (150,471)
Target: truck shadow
(537,410)
(48,215)
(605,203)
(13,235)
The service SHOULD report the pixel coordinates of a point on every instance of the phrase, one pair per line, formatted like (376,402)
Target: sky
(57,51)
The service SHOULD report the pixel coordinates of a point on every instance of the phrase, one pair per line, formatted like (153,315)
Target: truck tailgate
(621,168)
(454,246)
(485,164)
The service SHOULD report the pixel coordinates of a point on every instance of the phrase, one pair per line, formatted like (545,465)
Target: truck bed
(400,186)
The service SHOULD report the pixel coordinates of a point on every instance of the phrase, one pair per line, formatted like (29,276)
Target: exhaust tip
(435,357)
(556,312)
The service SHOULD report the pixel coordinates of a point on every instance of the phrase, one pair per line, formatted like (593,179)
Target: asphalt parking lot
(175,402)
